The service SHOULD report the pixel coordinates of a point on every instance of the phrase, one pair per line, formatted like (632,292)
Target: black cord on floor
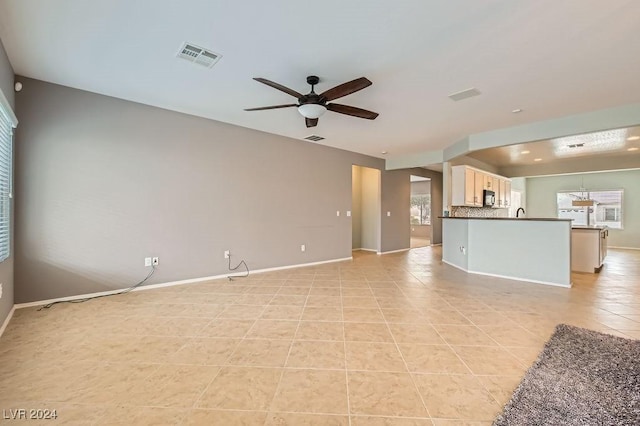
(242,262)
(47,306)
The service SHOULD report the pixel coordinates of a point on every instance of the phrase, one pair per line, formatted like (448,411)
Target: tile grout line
(346,365)
(465,364)
(415,385)
(286,360)
(206,388)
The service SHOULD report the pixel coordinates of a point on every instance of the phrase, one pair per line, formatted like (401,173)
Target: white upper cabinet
(467,184)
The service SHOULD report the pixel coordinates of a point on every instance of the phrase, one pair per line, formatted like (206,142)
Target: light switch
(348,213)
(388,214)
(338,213)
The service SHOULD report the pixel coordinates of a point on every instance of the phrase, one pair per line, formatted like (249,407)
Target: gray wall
(541,199)
(370,209)
(356,208)
(6,267)
(396,194)
(101,183)
(436,201)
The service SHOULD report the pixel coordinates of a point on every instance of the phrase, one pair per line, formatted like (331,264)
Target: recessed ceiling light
(633,148)
(537,159)
(525,152)
(383,152)
(517,110)
(633,138)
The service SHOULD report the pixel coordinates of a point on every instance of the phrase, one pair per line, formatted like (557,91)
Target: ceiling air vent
(576,145)
(314,138)
(198,55)
(469,93)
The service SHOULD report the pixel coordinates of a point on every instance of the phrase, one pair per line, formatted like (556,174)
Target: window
(7,123)
(606,208)
(421,209)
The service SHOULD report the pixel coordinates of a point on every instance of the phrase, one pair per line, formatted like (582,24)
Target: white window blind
(6,160)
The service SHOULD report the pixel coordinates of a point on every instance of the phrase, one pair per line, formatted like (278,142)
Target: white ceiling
(551,58)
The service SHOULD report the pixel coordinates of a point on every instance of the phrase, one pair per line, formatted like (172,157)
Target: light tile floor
(400,339)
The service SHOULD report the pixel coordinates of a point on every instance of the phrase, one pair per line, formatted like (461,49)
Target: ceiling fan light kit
(312,110)
(312,105)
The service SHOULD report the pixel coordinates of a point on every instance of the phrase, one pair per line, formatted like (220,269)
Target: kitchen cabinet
(467,184)
(503,194)
(588,248)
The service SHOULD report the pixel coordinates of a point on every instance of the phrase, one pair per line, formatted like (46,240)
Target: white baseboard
(366,249)
(7,319)
(439,244)
(173,283)
(625,248)
(394,251)
(508,277)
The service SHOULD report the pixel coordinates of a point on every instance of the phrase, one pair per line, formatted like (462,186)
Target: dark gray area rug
(582,377)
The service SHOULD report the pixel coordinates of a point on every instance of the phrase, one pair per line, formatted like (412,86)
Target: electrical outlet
(348,213)
(155,261)
(303,247)
(227,253)
(147,261)
(388,214)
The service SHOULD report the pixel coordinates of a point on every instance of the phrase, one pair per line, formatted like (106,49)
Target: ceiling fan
(312,105)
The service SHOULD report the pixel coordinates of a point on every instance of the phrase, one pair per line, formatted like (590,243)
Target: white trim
(394,251)
(173,283)
(625,248)
(372,250)
(7,319)
(508,277)
(4,103)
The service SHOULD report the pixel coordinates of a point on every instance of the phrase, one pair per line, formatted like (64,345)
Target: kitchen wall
(541,199)
(102,183)
(6,267)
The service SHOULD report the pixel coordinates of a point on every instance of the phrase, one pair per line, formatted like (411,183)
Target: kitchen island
(525,249)
(588,247)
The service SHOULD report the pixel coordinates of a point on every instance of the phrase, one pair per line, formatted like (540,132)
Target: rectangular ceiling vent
(314,138)
(469,93)
(198,55)
(576,145)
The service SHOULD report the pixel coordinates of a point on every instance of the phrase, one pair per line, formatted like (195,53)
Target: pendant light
(583,201)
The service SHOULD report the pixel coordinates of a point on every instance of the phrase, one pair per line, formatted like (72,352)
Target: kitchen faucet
(518,212)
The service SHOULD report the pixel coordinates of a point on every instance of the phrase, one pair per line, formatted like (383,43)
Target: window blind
(6,160)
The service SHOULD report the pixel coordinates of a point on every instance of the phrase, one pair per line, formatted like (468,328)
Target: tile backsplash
(457,211)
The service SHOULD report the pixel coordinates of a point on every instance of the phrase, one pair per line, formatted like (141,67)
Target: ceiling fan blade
(311,122)
(278,86)
(271,107)
(346,89)
(349,110)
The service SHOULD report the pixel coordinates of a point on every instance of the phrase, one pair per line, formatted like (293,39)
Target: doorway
(420,208)
(365,209)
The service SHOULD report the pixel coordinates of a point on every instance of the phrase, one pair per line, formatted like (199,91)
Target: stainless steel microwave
(488,198)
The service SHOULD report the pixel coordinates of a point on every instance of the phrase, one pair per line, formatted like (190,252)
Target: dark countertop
(539,219)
